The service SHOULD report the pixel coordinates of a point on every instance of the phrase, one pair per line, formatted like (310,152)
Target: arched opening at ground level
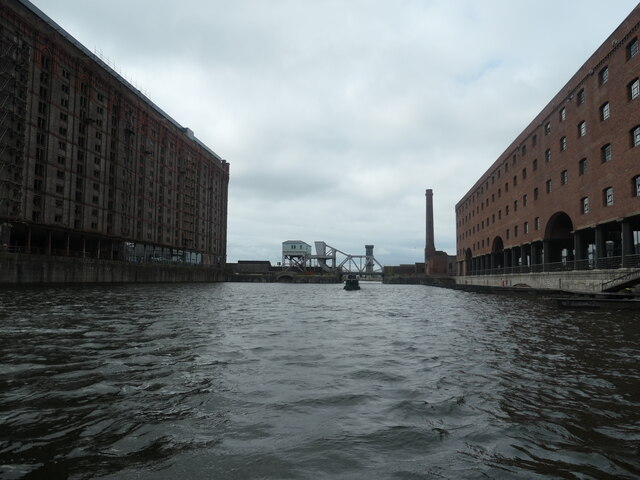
(558,238)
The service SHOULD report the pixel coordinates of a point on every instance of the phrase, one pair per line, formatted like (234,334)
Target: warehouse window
(582,129)
(605,111)
(636,186)
(547,155)
(603,76)
(563,114)
(607,194)
(563,144)
(634,89)
(564,177)
(605,153)
(548,186)
(526,227)
(547,128)
(581,97)
(635,136)
(584,203)
(582,166)
(537,223)
(632,49)
(535,164)
(536,193)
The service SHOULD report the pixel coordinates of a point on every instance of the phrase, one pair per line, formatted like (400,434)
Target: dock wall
(34,269)
(589,281)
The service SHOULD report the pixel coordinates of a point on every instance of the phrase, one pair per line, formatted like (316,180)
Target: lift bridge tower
(296,255)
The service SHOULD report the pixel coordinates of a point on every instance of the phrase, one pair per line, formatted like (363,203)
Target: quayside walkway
(610,274)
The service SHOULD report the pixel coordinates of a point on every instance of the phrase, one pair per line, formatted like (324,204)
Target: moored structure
(565,195)
(89,166)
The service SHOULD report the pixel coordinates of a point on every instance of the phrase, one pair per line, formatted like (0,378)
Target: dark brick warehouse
(89,166)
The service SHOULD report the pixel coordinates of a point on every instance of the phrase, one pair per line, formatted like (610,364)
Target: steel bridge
(332,260)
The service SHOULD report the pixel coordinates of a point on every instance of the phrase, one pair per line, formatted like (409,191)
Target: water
(272,381)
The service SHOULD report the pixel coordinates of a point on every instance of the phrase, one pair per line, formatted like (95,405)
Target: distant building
(566,193)
(295,254)
(89,166)
(296,247)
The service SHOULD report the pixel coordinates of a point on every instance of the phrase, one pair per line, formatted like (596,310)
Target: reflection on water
(270,381)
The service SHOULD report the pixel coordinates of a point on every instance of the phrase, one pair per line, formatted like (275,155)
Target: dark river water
(274,381)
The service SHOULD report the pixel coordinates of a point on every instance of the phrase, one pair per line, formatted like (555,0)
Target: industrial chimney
(430,247)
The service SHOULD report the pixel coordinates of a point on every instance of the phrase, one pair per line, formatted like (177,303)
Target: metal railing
(605,263)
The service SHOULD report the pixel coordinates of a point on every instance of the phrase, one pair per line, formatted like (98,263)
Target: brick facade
(527,209)
(89,163)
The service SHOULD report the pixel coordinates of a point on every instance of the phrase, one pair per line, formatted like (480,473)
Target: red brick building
(566,193)
(91,167)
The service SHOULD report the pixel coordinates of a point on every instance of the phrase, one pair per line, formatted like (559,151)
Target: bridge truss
(332,260)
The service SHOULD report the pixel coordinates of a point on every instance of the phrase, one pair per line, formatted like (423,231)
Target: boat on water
(351,283)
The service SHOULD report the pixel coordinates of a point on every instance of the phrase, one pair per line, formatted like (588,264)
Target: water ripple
(243,381)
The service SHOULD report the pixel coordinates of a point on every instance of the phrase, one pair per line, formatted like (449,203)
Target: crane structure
(296,255)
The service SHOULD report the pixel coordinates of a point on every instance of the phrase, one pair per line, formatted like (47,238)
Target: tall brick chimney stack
(430,247)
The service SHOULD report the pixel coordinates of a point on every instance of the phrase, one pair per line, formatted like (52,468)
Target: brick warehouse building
(565,195)
(91,167)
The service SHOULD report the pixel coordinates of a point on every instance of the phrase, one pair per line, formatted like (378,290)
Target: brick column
(546,251)
(627,242)
(600,246)
(577,245)
(534,253)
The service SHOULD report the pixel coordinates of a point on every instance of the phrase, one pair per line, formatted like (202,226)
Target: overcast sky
(336,115)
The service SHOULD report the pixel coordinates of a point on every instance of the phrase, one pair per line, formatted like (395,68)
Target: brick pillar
(578,249)
(600,245)
(534,253)
(546,251)
(627,241)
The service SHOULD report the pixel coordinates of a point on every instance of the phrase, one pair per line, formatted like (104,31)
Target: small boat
(351,283)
